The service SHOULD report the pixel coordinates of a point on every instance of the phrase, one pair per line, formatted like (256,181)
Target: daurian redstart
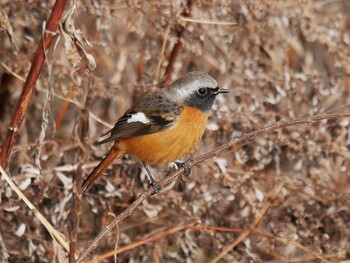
(162,126)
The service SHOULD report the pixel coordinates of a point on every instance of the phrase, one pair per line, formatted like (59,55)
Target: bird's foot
(185,165)
(153,183)
(156,187)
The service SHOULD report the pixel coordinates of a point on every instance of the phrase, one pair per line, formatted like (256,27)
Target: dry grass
(283,197)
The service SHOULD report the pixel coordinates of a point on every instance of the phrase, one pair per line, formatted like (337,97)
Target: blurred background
(280,59)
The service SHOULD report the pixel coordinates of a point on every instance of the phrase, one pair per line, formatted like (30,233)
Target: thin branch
(127,212)
(4,252)
(77,179)
(166,36)
(208,22)
(63,110)
(53,232)
(12,72)
(65,99)
(231,146)
(177,47)
(175,229)
(29,85)
(253,226)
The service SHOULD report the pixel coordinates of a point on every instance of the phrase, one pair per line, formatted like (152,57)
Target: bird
(162,126)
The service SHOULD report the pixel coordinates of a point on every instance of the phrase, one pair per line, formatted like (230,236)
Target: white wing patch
(138,117)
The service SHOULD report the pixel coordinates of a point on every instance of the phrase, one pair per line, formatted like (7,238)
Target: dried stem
(174,53)
(166,36)
(63,110)
(53,232)
(172,230)
(232,145)
(32,77)
(189,226)
(253,226)
(77,180)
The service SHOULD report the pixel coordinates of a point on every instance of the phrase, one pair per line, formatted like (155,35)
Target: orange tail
(113,154)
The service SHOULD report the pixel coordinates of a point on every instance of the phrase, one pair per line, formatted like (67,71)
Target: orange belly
(170,144)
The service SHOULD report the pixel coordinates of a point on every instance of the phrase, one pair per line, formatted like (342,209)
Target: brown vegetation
(275,185)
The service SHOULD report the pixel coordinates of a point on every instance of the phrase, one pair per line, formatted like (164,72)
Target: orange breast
(171,144)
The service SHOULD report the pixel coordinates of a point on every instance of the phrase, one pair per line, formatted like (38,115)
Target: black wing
(159,113)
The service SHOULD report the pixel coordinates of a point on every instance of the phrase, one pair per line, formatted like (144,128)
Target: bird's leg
(185,165)
(153,183)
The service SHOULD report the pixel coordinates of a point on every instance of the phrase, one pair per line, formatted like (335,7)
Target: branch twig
(165,40)
(172,230)
(188,226)
(53,232)
(29,85)
(253,226)
(231,146)
(77,180)
(209,22)
(177,47)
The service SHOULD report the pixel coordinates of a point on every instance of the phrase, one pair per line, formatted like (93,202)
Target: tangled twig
(231,146)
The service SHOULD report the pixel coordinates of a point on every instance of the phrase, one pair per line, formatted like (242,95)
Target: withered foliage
(282,59)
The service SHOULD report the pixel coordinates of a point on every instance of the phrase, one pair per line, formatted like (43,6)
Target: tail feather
(113,154)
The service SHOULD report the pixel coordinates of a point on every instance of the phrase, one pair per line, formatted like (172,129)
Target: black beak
(218,90)
(224,91)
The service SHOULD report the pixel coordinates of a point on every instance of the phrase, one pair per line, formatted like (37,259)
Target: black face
(203,98)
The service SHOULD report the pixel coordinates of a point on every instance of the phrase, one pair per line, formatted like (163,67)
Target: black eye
(202,91)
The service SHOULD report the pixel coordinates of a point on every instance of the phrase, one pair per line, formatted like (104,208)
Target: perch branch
(231,146)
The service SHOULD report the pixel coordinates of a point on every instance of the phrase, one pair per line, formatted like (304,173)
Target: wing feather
(160,111)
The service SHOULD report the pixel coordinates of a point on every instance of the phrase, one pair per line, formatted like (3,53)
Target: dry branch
(29,85)
(281,60)
(53,232)
(232,146)
(177,47)
(175,229)
(188,226)
(77,180)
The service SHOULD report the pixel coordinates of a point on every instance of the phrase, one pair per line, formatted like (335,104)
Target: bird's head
(195,89)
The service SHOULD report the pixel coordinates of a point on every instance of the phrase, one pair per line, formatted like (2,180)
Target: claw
(155,186)
(153,183)
(184,165)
